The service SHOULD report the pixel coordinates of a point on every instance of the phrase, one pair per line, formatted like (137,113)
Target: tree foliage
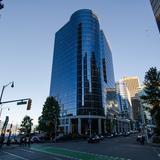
(26,125)
(50,116)
(152,94)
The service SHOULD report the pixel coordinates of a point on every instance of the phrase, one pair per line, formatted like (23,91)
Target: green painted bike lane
(72,153)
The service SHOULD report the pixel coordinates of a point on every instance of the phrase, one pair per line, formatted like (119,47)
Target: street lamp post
(12,85)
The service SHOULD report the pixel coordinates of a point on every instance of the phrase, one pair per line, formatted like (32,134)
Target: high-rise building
(132,84)
(136,103)
(82,71)
(127,88)
(124,99)
(156,10)
(139,111)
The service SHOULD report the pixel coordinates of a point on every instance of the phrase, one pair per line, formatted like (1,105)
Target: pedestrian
(20,142)
(142,140)
(1,143)
(25,141)
(1,140)
(29,141)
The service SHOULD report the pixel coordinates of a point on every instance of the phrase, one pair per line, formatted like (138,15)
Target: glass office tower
(82,68)
(156,10)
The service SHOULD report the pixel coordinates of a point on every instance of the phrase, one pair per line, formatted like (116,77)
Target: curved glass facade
(81,65)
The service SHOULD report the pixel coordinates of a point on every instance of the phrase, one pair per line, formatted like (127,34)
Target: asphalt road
(24,153)
(123,147)
(118,148)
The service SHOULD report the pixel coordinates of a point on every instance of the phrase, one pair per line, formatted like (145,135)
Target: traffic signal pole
(20,102)
(17,100)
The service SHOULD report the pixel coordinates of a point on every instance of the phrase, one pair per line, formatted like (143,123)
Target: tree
(152,94)
(26,125)
(1,5)
(49,120)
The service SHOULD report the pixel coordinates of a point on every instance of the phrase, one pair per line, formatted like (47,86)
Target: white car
(35,139)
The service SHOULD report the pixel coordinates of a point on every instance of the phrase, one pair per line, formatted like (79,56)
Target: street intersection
(118,148)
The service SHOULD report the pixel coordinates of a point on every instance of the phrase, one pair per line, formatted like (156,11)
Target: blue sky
(27,30)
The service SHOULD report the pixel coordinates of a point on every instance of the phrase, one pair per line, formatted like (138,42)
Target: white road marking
(56,154)
(158,154)
(27,150)
(14,155)
(56,158)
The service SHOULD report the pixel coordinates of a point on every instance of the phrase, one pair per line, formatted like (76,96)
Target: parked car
(120,134)
(108,135)
(94,139)
(97,138)
(126,134)
(101,137)
(115,134)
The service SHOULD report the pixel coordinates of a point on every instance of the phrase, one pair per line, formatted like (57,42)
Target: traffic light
(29,104)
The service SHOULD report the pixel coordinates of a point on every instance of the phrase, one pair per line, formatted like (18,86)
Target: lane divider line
(56,154)
(27,150)
(14,155)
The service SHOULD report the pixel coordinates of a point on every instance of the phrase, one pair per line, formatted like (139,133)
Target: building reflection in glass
(82,67)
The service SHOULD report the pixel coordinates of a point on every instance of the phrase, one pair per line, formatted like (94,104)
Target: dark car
(94,139)
(115,134)
(101,137)
(126,134)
